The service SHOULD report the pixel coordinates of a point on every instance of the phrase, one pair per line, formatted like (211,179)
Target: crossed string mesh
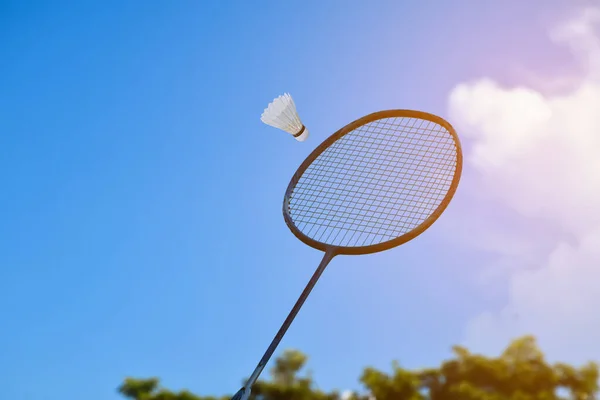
(376,183)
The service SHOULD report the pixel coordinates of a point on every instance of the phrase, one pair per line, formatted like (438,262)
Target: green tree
(287,384)
(521,372)
(149,389)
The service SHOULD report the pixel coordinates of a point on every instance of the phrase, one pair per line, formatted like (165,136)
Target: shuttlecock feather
(281,113)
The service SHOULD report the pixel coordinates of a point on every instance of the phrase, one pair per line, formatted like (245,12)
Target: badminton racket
(375,184)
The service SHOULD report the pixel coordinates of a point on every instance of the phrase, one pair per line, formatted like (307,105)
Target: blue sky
(141,231)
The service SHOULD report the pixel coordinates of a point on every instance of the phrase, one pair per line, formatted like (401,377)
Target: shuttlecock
(281,113)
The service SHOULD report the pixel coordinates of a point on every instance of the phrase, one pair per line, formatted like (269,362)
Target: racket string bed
(376,183)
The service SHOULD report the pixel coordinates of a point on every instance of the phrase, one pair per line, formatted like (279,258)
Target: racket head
(307,202)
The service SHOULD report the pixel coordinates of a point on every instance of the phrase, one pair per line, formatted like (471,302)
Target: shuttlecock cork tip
(302,135)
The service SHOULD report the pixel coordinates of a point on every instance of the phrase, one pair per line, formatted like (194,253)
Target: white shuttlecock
(281,113)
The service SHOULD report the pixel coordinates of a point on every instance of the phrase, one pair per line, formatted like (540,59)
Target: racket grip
(242,394)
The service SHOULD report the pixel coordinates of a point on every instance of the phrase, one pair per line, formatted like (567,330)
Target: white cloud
(580,34)
(539,155)
(558,302)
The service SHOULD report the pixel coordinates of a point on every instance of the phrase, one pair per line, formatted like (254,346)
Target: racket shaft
(288,321)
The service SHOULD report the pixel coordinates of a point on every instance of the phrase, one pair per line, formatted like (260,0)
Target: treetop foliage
(521,372)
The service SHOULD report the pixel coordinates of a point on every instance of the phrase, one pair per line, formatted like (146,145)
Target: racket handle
(242,394)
